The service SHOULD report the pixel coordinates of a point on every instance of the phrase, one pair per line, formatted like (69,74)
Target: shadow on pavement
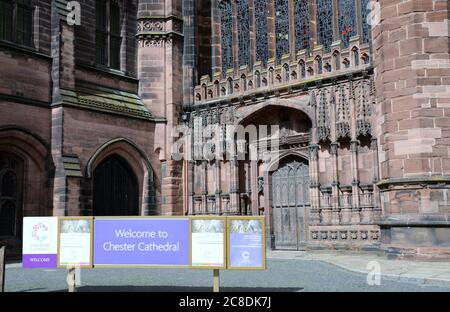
(179,289)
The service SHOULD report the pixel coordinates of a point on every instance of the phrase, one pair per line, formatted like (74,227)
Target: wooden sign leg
(2,268)
(216,280)
(71,279)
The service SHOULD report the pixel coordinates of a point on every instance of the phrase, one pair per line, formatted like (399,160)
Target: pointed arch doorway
(290,203)
(116,190)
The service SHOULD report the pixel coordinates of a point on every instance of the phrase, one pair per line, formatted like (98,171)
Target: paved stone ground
(287,271)
(423,271)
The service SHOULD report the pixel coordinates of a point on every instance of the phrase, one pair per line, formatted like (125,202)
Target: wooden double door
(290,203)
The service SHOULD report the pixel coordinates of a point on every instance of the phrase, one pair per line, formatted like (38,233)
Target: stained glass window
(302,24)
(325,23)
(282,27)
(261,30)
(226,23)
(366,28)
(244,31)
(347,20)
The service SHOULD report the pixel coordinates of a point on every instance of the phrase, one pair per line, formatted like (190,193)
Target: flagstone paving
(286,271)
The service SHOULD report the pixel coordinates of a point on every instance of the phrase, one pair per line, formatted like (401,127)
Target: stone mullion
(292,38)
(124,43)
(205,187)
(251,4)
(191,193)
(235,36)
(354,157)
(215,37)
(313,23)
(314,189)
(359,20)
(334,160)
(247,185)
(271,28)
(254,179)
(217,167)
(234,192)
(335,21)
(376,176)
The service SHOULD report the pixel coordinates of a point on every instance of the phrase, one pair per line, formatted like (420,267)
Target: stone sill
(8,45)
(108,71)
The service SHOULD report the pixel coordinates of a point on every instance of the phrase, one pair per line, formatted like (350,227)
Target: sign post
(2,268)
(71,279)
(216,280)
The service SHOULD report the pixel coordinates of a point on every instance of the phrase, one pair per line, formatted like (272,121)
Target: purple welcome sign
(134,242)
(42,261)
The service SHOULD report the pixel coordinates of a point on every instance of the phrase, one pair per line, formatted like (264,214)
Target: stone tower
(412,68)
(160,74)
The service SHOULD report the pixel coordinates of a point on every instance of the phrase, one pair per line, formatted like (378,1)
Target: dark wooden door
(290,201)
(115,189)
(11,171)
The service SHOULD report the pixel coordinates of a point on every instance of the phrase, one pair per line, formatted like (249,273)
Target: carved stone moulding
(358,234)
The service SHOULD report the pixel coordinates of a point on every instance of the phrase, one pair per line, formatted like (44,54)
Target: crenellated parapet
(305,66)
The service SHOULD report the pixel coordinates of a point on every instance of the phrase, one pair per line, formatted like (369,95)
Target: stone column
(191,193)
(355,182)
(205,187)
(254,186)
(355,219)
(334,161)
(62,51)
(217,167)
(234,192)
(376,179)
(335,219)
(314,188)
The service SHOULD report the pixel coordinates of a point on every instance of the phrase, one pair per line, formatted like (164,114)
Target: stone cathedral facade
(345,106)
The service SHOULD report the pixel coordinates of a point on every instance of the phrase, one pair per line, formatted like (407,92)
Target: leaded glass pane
(325,23)
(366,28)
(302,24)
(101,33)
(24,24)
(282,27)
(347,20)
(261,30)
(226,24)
(115,39)
(244,31)
(6,19)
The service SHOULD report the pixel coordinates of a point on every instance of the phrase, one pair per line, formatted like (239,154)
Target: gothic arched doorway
(116,190)
(290,201)
(11,172)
